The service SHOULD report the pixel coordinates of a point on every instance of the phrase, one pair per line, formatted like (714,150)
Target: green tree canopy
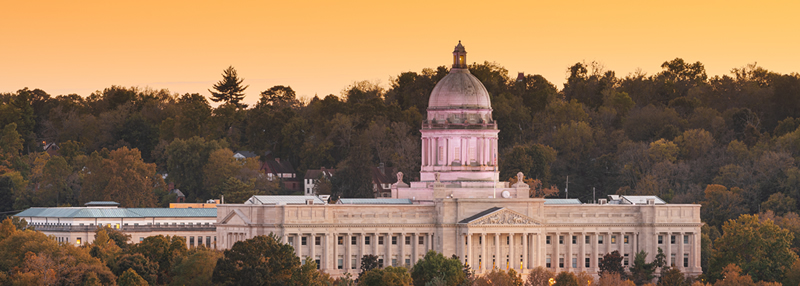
(230,88)
(760,248)
(261,260)
(434,264)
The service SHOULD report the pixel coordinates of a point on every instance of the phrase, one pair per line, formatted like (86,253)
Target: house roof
(246,154)
(277,166)
(315,174)
(283,200)
(84,212)
(562,202)
(480,214)
(101,204)
(385,176)
(376,201)
(177,193)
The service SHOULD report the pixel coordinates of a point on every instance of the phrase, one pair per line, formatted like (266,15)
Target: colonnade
(572,251)
(343,251)
(437,151)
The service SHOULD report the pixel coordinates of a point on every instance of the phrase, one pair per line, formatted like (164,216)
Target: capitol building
(460,207)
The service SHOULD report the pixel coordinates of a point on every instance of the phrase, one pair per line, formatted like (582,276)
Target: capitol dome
(459,89)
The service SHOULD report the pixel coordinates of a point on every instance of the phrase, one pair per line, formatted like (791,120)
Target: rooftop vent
(602,201)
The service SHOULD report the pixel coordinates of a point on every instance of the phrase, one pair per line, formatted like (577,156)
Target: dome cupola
(459,89)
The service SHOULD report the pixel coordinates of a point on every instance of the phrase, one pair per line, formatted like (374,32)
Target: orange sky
(320,47)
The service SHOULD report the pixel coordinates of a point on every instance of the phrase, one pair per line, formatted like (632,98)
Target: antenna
(566,189)
(594,200)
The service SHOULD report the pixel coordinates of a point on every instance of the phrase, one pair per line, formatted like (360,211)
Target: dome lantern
(459,57)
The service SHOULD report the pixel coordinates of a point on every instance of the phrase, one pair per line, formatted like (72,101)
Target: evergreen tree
(229,89)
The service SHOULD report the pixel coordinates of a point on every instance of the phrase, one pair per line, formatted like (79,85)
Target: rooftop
(284,200)
(377,201)
(84,212)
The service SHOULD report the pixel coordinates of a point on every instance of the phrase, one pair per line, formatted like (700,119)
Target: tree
(499,278)
(261,260)
(131,278)
(612,263)
(566,279)
(434,264)
(614,279)
(720,205)
(672,277)
(122,177)
(641,271)
(539,276)
(308,275)
(197,268)
(388,276)
(163,250)
(761,249)
(279,97)
(780,204)
(229,89)
(185,162)
(139,264)
(368,262)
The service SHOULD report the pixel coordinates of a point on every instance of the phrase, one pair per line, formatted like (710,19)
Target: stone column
(312,249)
(582,254)
(525,254)
(554,258)
(470,257)
(694,256)
(679,256)
(401,253)
(512,259)
(414,248)
(375,244)
(387,261)
(361,249)
(497,250)
(326,244)
(568,257)
(348,250)
(668,250)
(595,254)
(483,252)
(297,245)
(335,250)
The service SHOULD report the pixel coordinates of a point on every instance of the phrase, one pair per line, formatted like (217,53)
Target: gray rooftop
(641,200)
(283,200)
(562,202)
(83,212)
(101,203)
(480,215)
(376,201)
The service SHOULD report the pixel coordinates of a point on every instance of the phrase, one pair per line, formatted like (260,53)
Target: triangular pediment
(500,216)
(236,217)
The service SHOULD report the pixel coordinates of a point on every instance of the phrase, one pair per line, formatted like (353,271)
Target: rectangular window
(340,263)
(304,240)
(353,262)
(317,260)
(380,240)
(408,240)
(548,261)
(394,242)
(208,241)
(353,240)
(660,239)
(191,241)
(586,239)
(340,240)
(472,153)
(685,260)
(290,240)
(421,240)
(671,239)
(407,261)
(561,262)
(560,239)
(587,262)
(574,262)
(672,259)
(317,240)
(600,239)
(508,240)
(574,239)
(380,263)
(394,261)
(441,153)
(686,239)
(613,239)
(625,239)
(78,240)
(366,240)
(199,240)
(548,239)
(625,260)
(457,154)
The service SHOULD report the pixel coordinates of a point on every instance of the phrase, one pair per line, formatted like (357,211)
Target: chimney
(520,77)
(382,168)
(602,201)
(651,202)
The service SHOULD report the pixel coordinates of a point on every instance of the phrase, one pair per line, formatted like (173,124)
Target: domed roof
(459,90)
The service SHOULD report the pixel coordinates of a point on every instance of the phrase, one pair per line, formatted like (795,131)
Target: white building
(78,225)
(459,207)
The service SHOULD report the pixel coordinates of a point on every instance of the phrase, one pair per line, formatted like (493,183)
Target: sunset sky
(321,47)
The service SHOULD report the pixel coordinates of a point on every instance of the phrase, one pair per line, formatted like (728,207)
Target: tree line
(728,142)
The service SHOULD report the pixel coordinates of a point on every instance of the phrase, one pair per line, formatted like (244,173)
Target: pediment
(236,217)
(500,216)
